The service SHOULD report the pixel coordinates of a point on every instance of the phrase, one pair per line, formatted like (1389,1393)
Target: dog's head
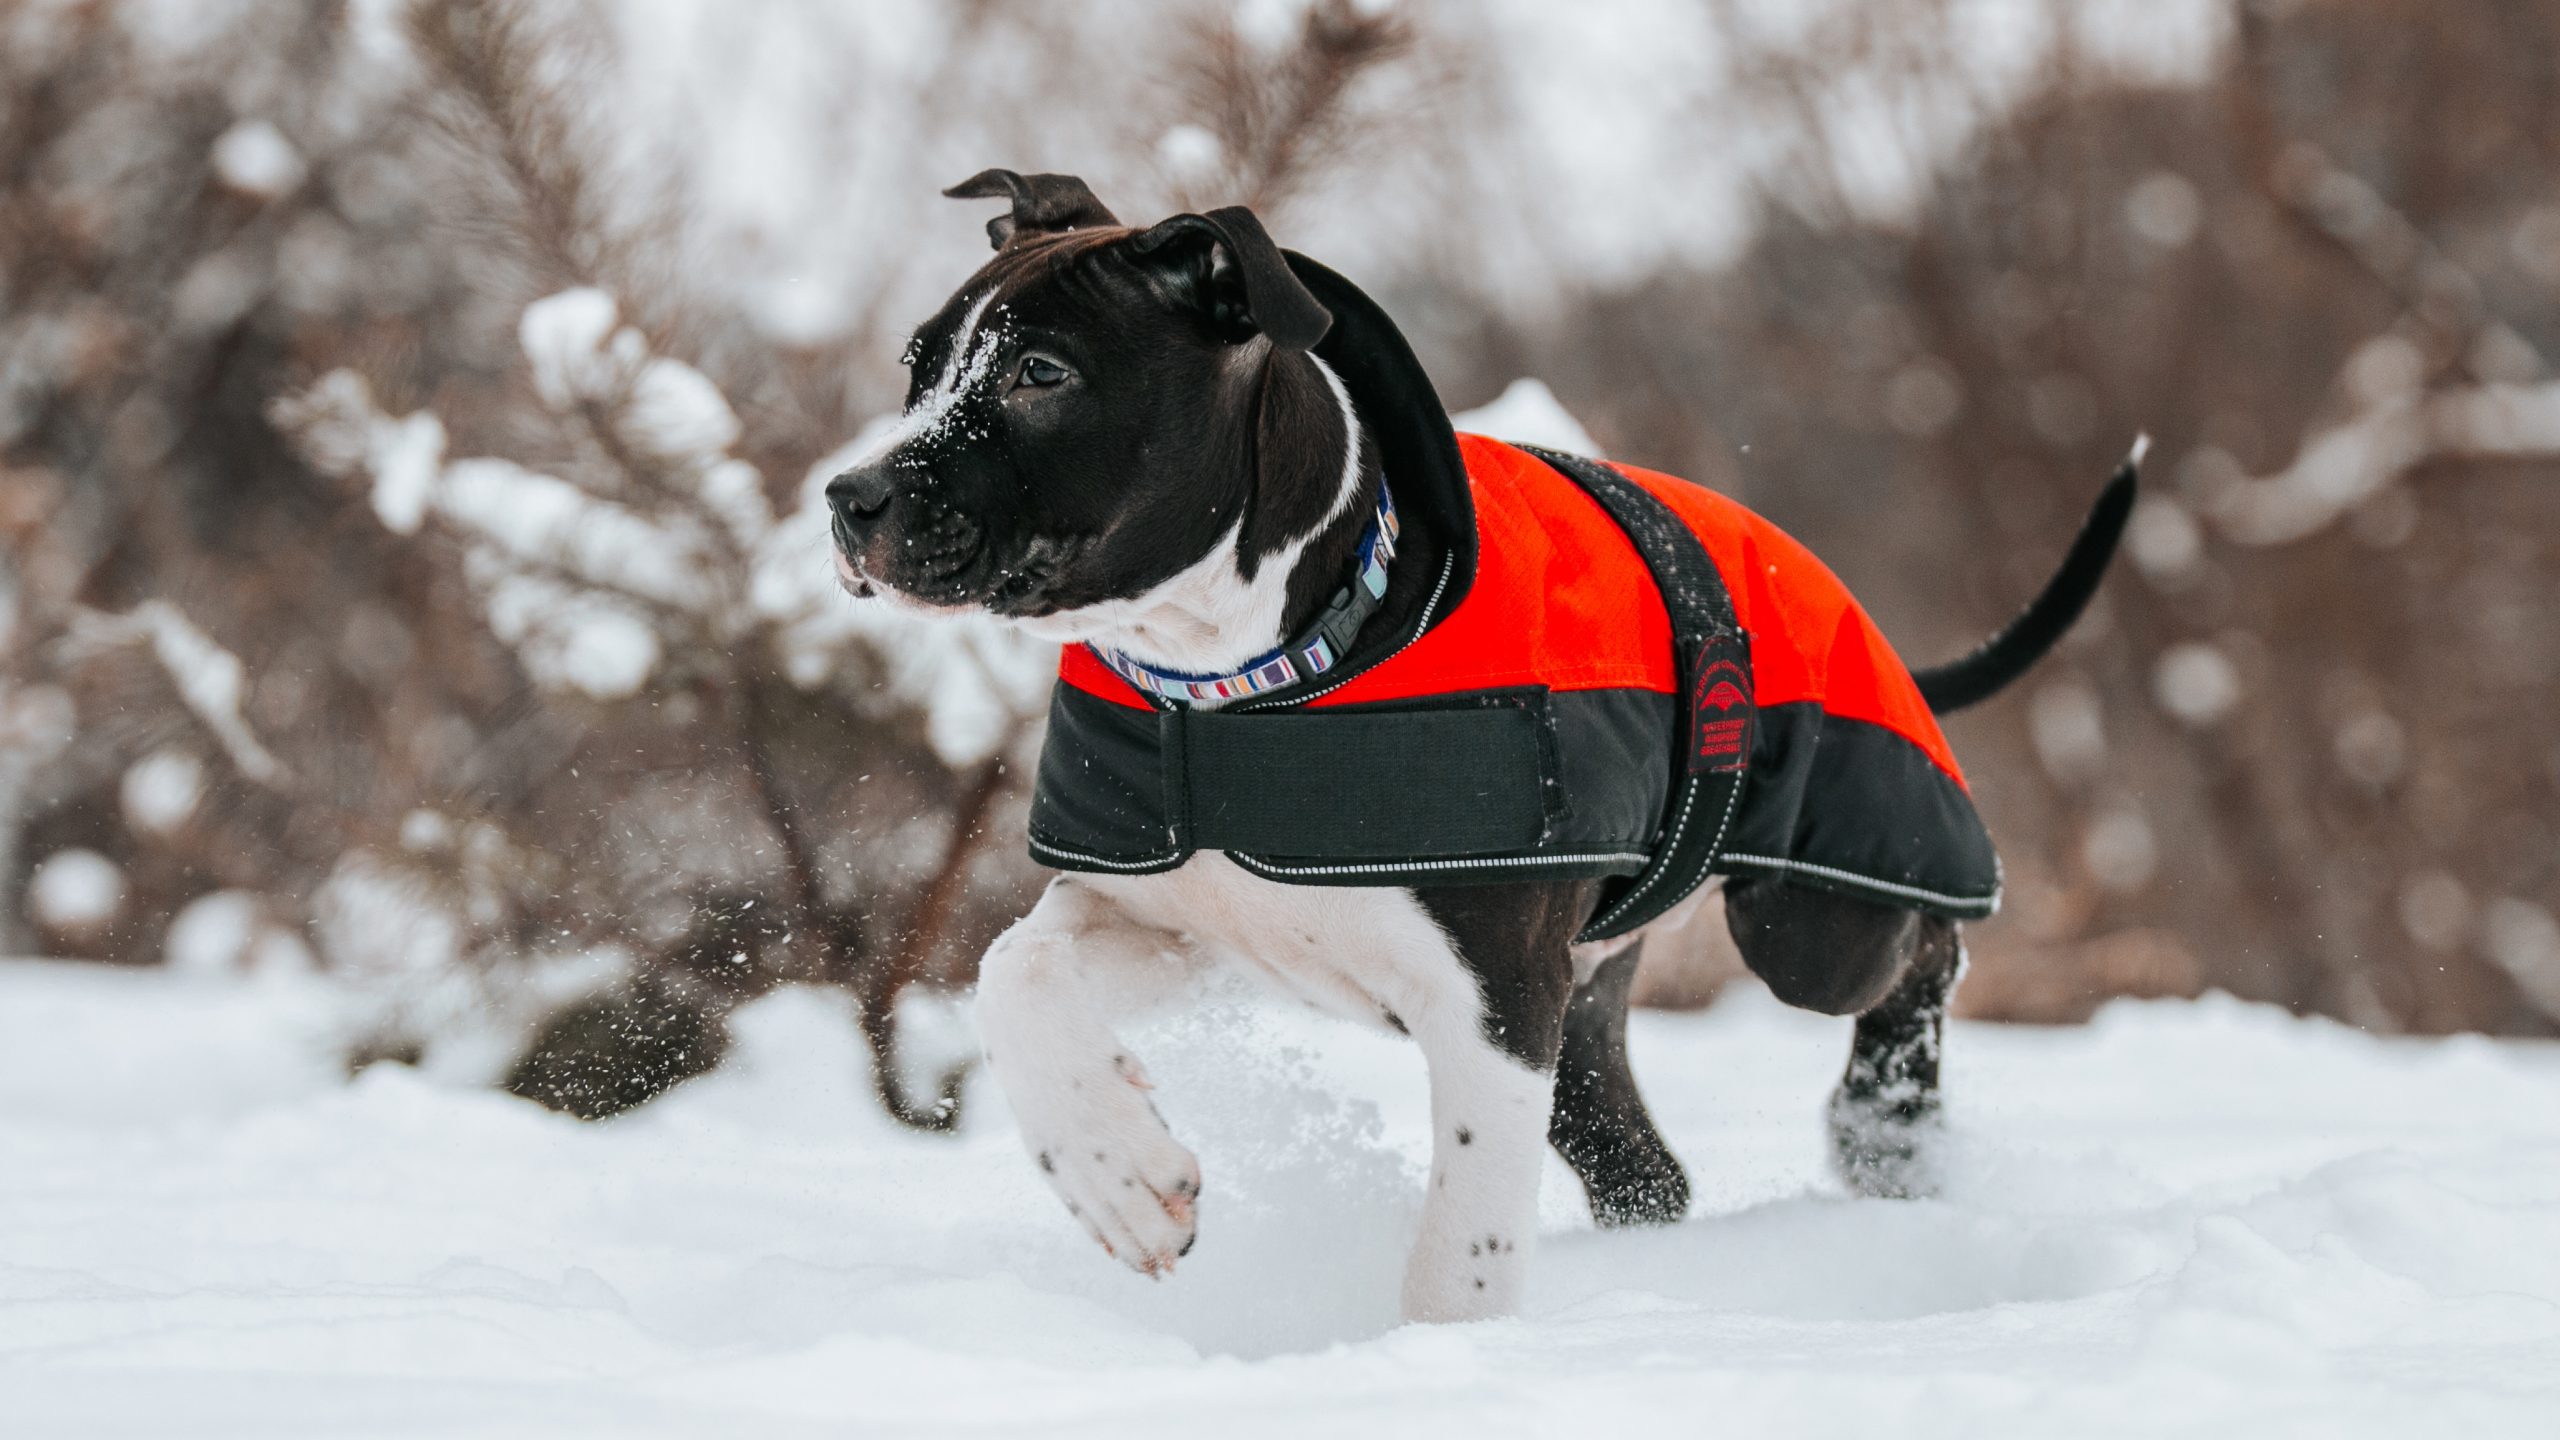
(1081,415)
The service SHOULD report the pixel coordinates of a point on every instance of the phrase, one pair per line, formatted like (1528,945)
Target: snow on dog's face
(1080,415)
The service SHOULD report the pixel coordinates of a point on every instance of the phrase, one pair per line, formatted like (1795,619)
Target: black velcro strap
(1714,658)
(1416,783)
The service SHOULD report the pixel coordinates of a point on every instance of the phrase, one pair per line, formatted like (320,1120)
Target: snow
(676,410)
(254,158)
(569,577)
(580,356)
(732,490)
(2196,682)
(1528,413)
(2183,1219)
(1189,152)
(2523,940)
(228,932)
(212,933)
(2068,727)
(373,919)
(161,790)
(569,338)
(539,518)
(209,679)
(406,457)
(74,890)
(2164,208)
(2435,909)
(2118,850)
(2164,538)
(2391,430)
(1610,135)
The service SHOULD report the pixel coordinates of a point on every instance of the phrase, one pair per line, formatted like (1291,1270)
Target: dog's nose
(862,492)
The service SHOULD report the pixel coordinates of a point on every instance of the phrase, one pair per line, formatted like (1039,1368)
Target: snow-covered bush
(416,552)
(413,419)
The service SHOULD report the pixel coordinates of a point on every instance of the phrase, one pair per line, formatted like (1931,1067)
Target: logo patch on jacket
(1720,709)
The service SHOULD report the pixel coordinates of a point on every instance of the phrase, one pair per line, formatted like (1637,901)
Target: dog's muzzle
(903,538)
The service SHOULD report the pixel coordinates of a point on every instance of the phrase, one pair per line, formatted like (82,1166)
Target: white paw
(1100,1144)
(1457,1278)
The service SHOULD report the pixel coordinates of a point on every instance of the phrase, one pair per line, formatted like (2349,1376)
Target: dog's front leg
(1489,1138)
(1047,991)
(1492,1052)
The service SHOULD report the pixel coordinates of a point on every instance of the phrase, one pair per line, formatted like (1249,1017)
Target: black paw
(1885,1147)
(1657,1198)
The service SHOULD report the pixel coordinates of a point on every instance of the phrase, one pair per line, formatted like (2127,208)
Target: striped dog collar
(1319,649)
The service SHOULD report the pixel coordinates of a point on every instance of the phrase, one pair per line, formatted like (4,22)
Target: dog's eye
(1040,372)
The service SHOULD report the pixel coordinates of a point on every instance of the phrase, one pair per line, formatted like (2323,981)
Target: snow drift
(2182,1219)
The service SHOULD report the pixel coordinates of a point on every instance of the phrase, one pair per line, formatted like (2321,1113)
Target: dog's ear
(1225,263)
(1041,203)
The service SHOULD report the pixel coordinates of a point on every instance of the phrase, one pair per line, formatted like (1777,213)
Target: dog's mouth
(950,568)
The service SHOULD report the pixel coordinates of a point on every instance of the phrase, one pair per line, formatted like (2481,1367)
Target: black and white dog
(1123,437)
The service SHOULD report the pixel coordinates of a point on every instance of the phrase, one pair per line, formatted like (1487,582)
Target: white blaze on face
(971,359)
(1208,618)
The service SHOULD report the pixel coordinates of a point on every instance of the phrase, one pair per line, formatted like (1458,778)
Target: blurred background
(409,413)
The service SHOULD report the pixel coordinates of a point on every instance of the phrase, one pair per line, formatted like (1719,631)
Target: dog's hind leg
(1048,991)
(1600,1126)
(1894,969)
(1884,1116)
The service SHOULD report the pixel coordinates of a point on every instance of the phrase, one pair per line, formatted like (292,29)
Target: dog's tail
(2023,641)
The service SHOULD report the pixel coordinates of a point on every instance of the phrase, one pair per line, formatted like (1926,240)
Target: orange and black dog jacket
(1624,675)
